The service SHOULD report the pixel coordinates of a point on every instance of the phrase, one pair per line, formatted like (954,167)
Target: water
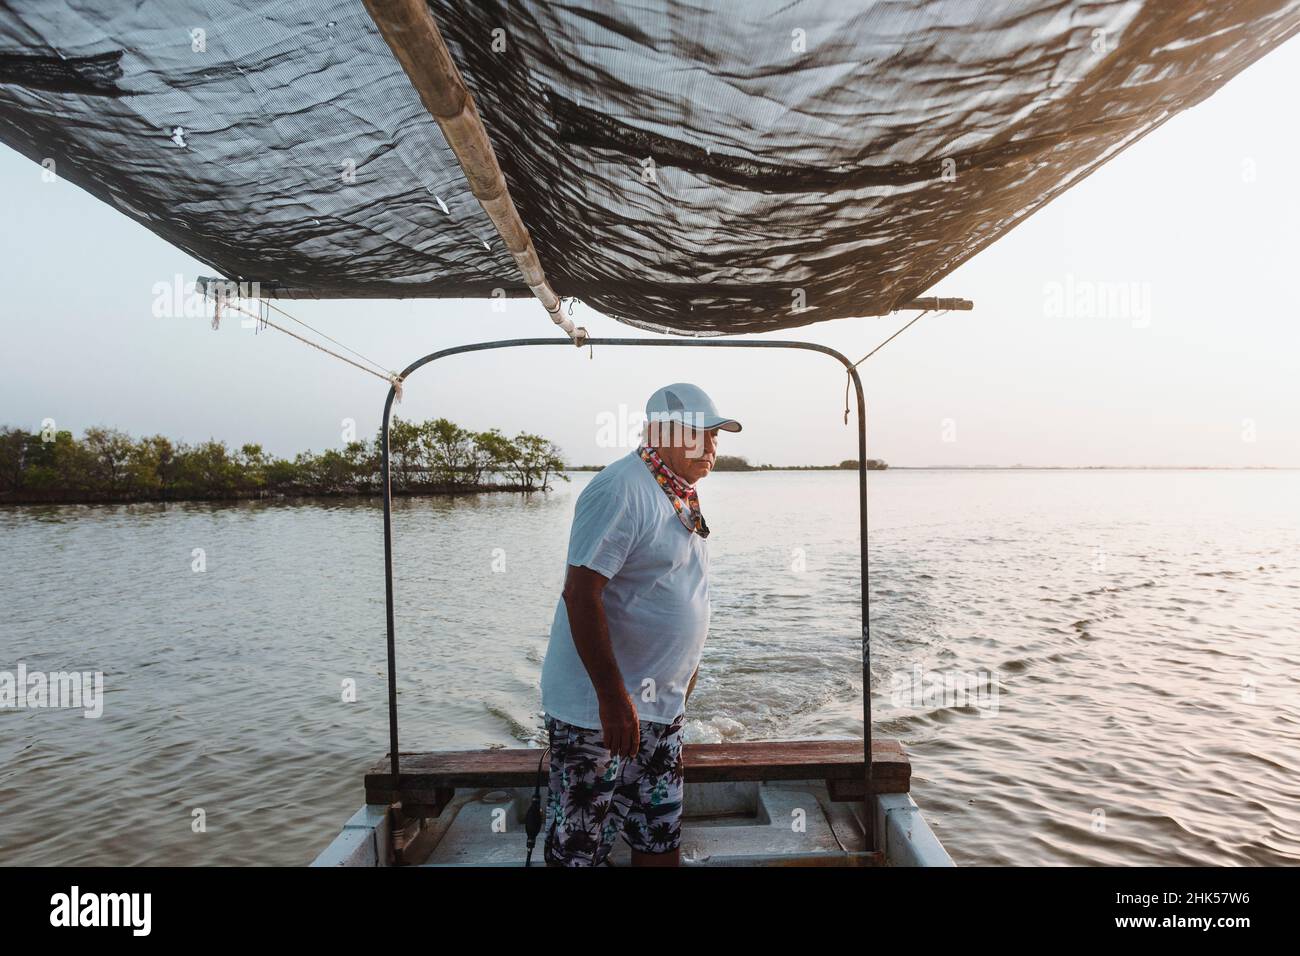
(1139,630)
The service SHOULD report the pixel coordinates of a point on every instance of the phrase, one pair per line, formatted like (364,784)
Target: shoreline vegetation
(435,457)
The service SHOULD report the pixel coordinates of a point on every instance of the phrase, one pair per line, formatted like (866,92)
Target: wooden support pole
(409,30)
(933,304)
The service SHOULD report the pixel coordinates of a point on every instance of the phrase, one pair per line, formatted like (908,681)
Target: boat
(794,802)
(745,806)
(829,161)
(791,802)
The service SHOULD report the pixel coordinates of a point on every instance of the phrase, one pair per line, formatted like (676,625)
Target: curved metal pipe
(869,816)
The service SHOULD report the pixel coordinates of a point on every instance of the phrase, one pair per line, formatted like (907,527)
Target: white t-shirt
(656,601)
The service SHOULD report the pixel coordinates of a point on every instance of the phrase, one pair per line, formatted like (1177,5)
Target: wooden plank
(791,760)
(426,776)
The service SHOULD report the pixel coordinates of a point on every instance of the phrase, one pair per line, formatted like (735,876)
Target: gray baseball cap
(689,404)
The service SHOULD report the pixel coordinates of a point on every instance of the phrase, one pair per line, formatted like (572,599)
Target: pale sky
(1191,238)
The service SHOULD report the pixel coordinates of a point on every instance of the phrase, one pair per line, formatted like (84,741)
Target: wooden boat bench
(430,779)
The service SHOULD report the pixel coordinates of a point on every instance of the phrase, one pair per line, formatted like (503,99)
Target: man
(626,641)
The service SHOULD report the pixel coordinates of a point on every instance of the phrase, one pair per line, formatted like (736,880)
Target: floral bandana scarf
(685,499)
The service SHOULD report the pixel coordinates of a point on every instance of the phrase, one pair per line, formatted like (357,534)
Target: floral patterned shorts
(595,796)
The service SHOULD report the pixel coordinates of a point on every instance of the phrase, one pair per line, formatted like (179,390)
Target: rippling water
(1130,639)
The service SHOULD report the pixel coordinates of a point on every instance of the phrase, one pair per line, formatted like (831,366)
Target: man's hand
(619,724)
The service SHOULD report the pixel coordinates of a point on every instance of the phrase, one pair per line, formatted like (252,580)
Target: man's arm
(691,686)
(584,601)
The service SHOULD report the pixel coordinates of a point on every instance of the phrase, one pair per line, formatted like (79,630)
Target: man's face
(690,452)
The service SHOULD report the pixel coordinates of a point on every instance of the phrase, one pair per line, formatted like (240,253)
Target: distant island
(737,463)
(426,458)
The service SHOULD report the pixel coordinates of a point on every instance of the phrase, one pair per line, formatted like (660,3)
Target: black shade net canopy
(689,167)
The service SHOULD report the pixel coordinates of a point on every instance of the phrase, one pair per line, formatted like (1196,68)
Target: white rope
(271,305)
(223,305)
(848,377)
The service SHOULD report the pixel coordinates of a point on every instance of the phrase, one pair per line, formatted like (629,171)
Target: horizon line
(762,467)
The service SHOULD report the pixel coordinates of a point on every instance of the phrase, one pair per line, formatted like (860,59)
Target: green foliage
(431,457)
(732,463)
(532,459)
(737,463)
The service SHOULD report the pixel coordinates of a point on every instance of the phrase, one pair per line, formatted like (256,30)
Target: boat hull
(753,823)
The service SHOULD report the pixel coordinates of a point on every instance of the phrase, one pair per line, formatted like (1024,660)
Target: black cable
(533,818)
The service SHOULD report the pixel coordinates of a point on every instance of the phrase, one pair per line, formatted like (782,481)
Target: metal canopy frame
(869,816)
